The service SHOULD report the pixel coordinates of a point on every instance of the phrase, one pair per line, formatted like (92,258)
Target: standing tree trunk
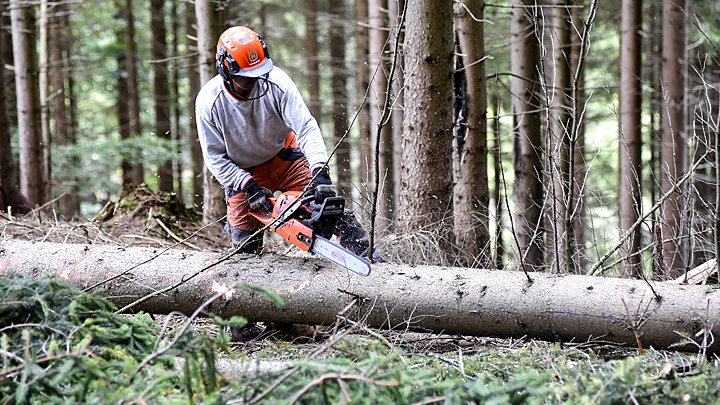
(395,10)
(123,95)
(194,82)
(340,100)
(162,113)
(383,141)
(363,84)
(67,178)
(426,191)
(560,233)
(11,200)
(24,37)
(630,134)
(173,101)
(471,193)
(44,97)
(208,32)
(673,151)
(311,47)
(527,135)
(134,98)
(498,185)
(579,207)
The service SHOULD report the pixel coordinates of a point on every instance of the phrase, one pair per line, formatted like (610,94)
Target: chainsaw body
(310,226)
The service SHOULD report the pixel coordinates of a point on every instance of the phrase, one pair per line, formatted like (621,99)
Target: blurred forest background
(566,136)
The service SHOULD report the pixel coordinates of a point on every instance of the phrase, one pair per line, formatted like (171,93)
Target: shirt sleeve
(297,116)
(215,153)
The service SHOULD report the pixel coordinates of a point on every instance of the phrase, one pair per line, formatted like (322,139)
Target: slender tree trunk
(527,136)
(174,100)
(194,82)
(630,134)
(162,107)
(498,185)
(426,191)
(24,38)
(208,32)
(340,100)
(11,200)
(395,9)
(311,47)
(460,301)
(673,151)
(379,70)
(362,72)
(579,207)
(123,95)
(44,97)
(471,193)
(139,168)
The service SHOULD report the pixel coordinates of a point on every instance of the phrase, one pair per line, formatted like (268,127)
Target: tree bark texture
(24,40)
(162,112)
(313,66)
(139,169)
(527,139)
(362,86)
(194,83)
(580,167)
(339,83)
(208,32)
(380,47)
(471,196)
(558,141)
(673,150)
(630,145)
(429,299)
(426,189)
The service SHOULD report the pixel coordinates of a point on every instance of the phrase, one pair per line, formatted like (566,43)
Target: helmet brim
(257,71)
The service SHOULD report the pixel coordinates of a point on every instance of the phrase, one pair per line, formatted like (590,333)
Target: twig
(633,326)
(177,238)
(43,206)
(628,233)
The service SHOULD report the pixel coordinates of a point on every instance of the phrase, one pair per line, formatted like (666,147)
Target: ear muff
(221,66)
(265,49)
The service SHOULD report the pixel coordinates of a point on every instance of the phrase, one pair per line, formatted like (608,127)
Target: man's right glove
(257,196)
(322,184)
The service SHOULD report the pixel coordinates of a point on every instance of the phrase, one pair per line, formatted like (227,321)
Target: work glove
(258,196)
(322,185)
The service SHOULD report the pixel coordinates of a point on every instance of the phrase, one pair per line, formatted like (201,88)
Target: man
(258,136)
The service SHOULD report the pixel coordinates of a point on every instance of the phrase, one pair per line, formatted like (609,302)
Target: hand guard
(322,184)
(258,196)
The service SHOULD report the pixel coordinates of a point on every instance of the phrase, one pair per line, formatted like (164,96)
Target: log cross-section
(432,299)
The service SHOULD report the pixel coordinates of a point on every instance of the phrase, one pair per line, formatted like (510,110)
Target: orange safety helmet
(242,52)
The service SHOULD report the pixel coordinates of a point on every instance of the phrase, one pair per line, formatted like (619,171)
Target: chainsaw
(310,226)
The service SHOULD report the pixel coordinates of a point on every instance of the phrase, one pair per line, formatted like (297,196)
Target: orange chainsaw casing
(293,230)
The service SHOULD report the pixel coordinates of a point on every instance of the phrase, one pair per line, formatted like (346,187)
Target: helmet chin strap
(263,78)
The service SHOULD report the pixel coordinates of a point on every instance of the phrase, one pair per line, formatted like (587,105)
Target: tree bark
(426,189)
(162,112)
(630,159)
(123,95)
(471,196)
(311,47)
(339,80)
(526,221)
(424,298)
(24,40)
(134,98)
(194,83)
(379,70)
(363,75)
(673,151)
(209,29)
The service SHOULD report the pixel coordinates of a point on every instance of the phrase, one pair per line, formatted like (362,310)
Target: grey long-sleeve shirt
(236,134)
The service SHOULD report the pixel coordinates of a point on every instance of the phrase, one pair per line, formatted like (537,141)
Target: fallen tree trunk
(431,299)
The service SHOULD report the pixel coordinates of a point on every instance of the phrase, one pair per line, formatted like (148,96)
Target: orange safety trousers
(288,171)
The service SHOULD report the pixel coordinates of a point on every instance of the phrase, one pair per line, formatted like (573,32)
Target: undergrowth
(61,346)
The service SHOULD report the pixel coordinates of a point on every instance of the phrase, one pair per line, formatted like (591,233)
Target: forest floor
(533,371)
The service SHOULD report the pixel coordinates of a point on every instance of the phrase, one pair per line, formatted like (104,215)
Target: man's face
(243,85)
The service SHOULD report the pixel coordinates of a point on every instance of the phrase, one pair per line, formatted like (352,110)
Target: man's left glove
(322,184)
(258,196)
